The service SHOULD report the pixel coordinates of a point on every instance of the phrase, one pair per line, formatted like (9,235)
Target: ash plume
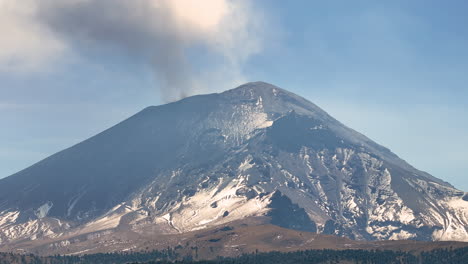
(155,33)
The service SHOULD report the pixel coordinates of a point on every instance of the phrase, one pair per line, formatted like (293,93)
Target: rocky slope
(207,160)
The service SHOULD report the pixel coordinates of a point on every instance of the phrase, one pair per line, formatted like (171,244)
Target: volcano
(253,153)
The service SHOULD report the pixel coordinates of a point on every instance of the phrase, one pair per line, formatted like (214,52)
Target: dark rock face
(285,214)
(206,160)
(293,132)
(465,197)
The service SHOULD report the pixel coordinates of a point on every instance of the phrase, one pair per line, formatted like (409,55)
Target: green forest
(439,256)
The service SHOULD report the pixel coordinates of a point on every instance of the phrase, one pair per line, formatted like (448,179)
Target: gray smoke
(157,33)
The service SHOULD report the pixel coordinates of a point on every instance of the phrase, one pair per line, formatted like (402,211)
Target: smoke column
(156,33)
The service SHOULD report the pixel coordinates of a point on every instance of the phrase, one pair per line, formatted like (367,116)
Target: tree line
(170,256)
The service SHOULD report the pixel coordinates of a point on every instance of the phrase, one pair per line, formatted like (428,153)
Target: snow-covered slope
(254,151)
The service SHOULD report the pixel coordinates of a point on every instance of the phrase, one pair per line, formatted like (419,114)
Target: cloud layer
(160,34)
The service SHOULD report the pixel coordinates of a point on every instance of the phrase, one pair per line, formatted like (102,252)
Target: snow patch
(197,212)
(8,218)
(247,164)
(456,222)
(43,210)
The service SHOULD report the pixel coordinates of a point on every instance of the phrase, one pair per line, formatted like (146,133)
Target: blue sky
(395,71)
